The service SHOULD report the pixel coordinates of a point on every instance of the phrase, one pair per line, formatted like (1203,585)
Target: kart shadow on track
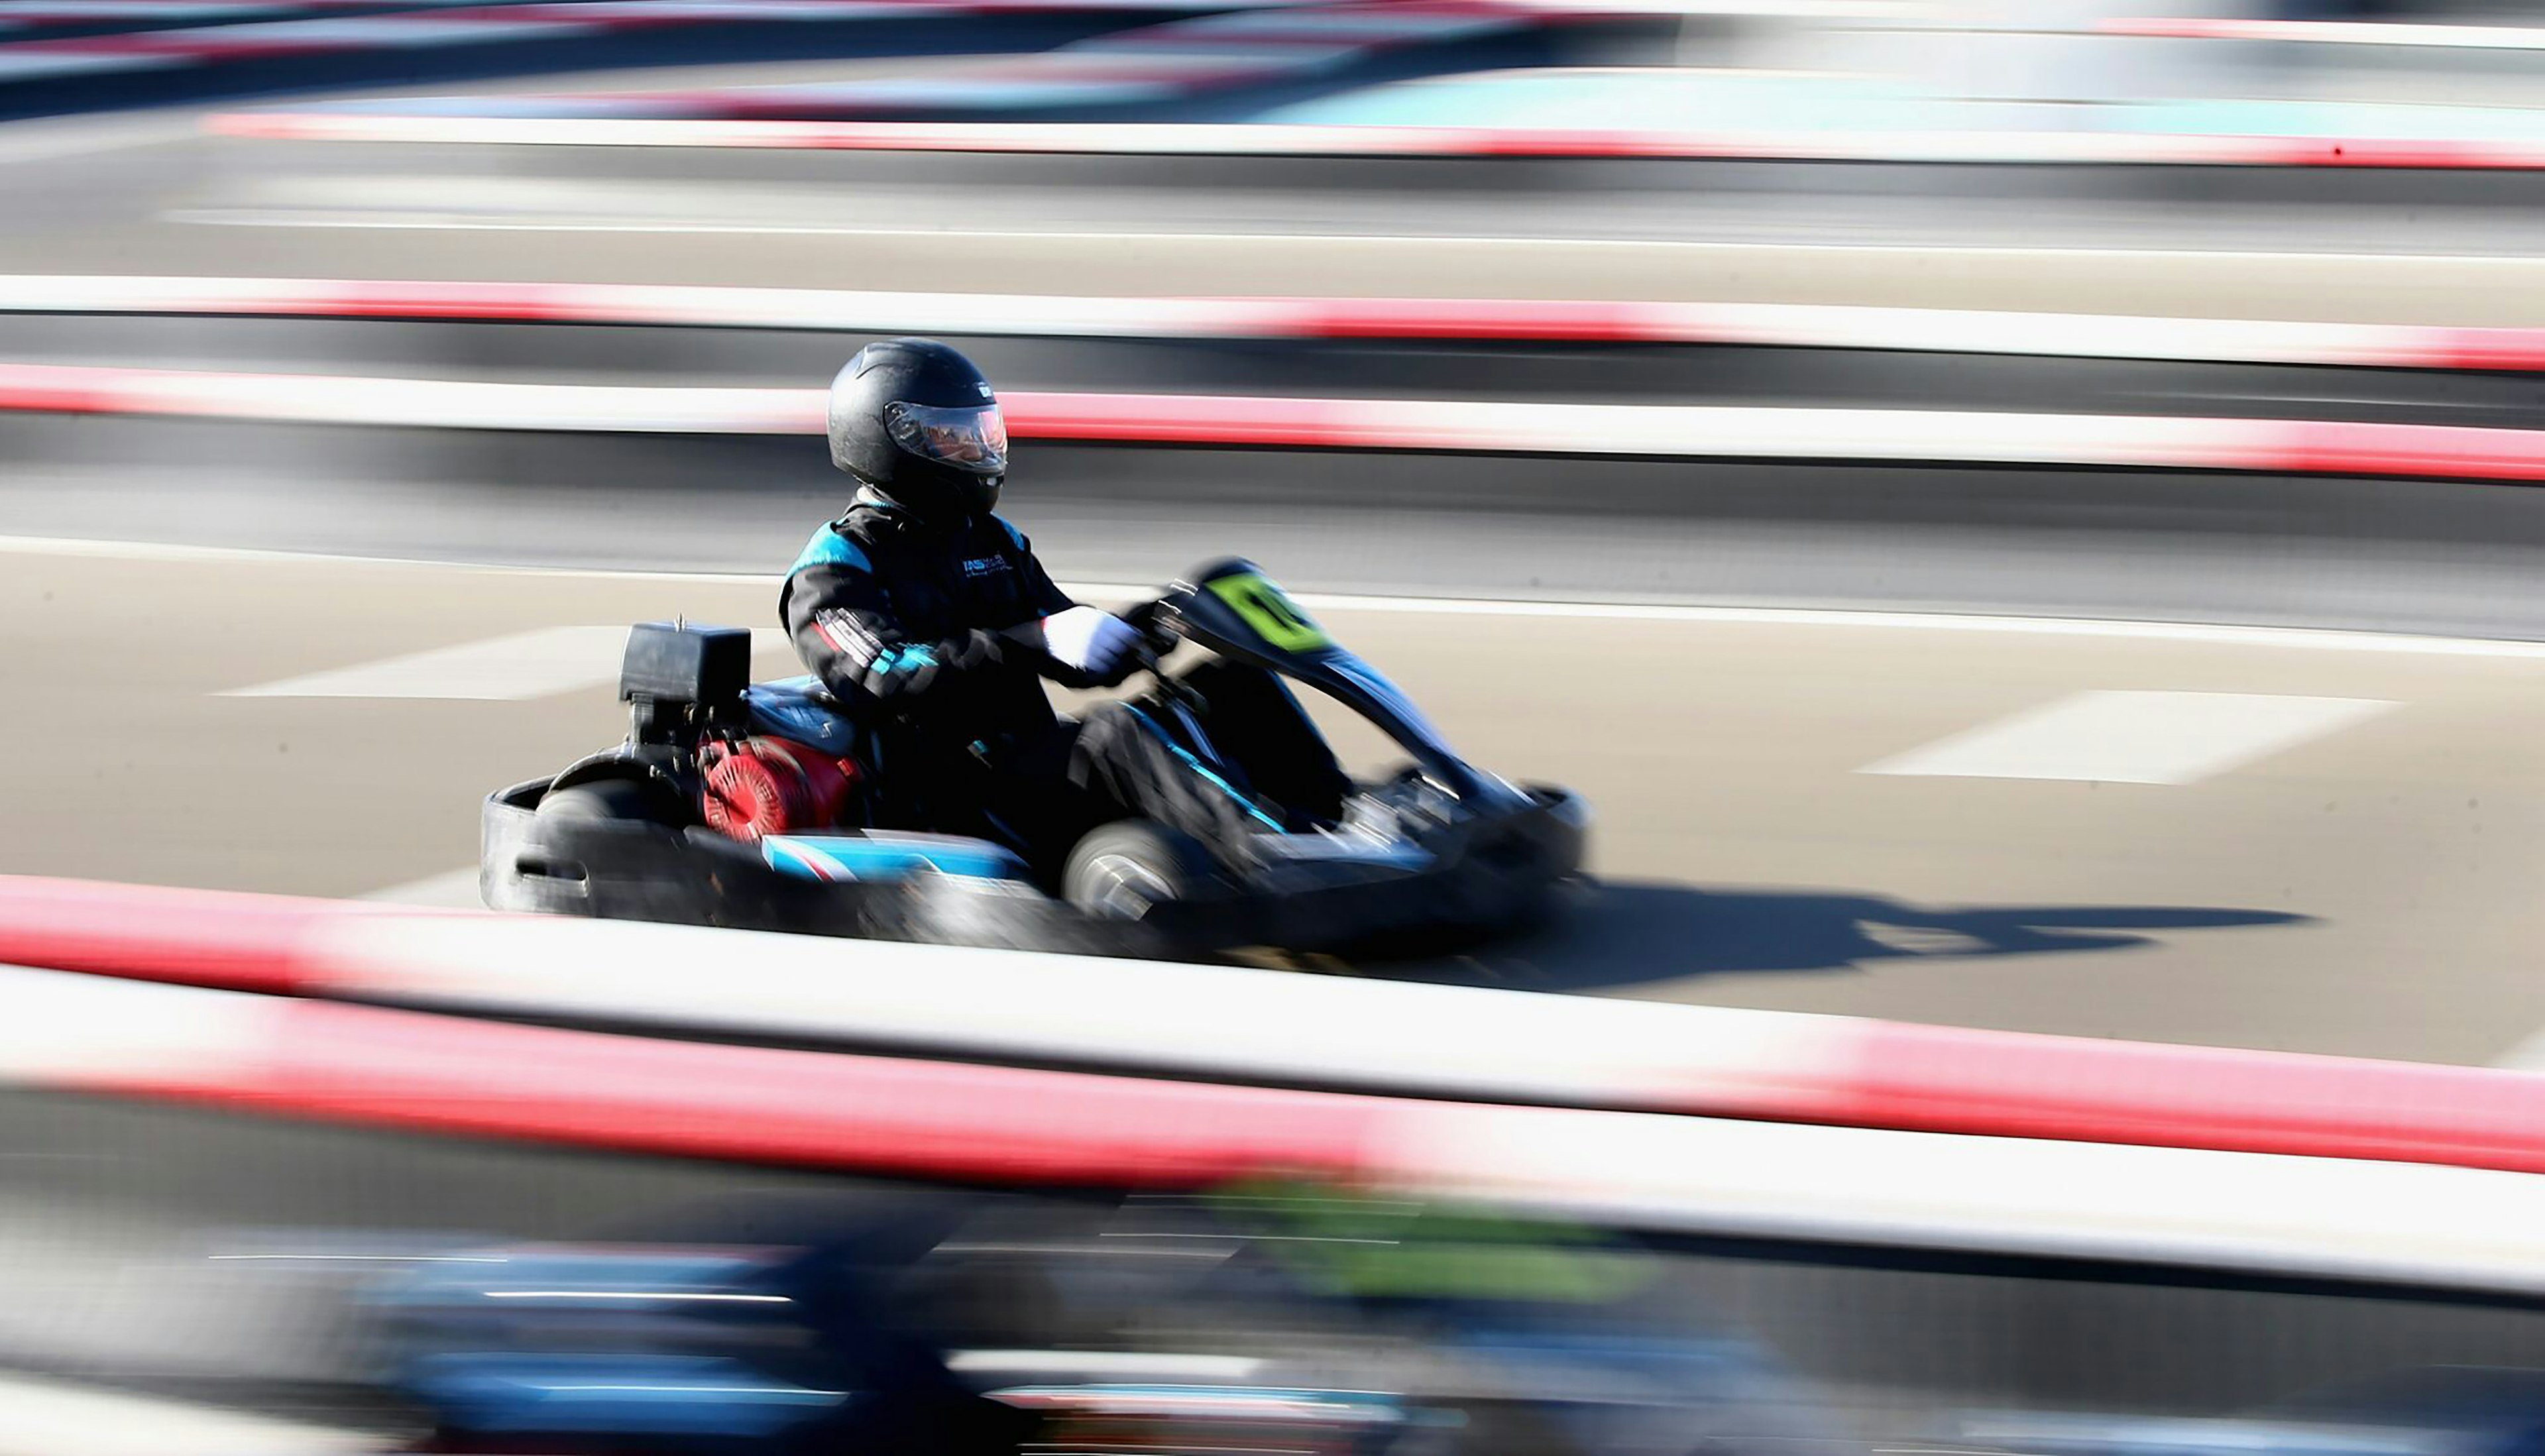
(1631,933)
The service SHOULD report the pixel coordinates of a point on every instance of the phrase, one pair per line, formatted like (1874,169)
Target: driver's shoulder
(833,543)
(1007,531)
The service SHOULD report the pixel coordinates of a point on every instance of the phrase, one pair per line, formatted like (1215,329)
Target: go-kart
(1440,851)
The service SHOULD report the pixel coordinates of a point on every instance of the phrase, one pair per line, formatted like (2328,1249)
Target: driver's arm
(1047,602)
(846,631)
(1108,645)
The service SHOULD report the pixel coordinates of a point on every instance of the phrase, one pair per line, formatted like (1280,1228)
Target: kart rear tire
(1122,869)
(617,800)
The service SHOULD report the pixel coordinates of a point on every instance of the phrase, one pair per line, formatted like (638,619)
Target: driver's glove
(1089,643)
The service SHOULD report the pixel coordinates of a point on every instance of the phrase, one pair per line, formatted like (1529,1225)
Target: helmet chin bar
(966,497)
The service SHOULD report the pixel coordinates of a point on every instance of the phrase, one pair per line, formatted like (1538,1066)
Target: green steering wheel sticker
(1272,615)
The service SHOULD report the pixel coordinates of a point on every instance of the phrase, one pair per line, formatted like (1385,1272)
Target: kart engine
(754,786)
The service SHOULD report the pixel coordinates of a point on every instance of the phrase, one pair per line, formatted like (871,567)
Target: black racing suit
(912,624)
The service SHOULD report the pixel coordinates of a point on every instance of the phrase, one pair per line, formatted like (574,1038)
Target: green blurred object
(1366,1246)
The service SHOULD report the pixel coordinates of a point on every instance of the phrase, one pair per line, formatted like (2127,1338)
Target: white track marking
(104,551)
(25,141)
(2310,639)
(1429,242)
(2133,737)
(523,664)
(1117,1363)
(454,889)
(536,664)
(46,1418)
(2527,1056)
(2277,639)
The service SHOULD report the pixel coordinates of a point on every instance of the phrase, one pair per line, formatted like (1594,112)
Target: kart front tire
(1121,870)
(604,799)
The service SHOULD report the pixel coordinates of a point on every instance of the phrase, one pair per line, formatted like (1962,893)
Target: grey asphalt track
(2361,891)
(2376,555)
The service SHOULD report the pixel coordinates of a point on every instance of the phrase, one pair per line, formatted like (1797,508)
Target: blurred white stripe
(33,65)
(2340,32)
(2272,639)
(2133,737)
(536,664)
(454,889)
(46,1418)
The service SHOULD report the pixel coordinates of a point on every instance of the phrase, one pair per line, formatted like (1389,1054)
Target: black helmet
(918,421)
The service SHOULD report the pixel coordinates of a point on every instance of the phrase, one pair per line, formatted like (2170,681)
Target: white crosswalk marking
(454,889)
(2110,737)
(43,1417)
(538,664)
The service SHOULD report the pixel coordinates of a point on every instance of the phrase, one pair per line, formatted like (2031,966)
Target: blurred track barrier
(1695,432)
(119,64)
(1029,315)
(1238,1025)
(1275,139)
(2308,1219)
(1163,66)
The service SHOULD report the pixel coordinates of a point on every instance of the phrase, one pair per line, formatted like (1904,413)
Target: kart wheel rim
(1129,888)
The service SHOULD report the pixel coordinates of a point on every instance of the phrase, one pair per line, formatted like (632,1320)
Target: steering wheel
(1154,619)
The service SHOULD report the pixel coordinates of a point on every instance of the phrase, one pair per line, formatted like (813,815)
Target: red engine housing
(757,786)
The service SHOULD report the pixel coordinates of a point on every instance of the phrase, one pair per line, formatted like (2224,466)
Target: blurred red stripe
(221,938)
(2334,447)
(819,1109)
(1941,1079)
(1246,139)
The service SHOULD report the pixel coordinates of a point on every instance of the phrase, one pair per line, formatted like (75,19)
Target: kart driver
(931,621)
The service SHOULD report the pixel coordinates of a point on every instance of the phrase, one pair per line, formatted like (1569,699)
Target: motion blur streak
(1998,536)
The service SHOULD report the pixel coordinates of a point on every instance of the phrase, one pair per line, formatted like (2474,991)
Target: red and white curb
(2295,1217)
(1776,325)
(1244,1024)
(1240,139)
(1690,431)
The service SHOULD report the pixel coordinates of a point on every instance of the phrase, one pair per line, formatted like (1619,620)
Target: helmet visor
(970,438)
